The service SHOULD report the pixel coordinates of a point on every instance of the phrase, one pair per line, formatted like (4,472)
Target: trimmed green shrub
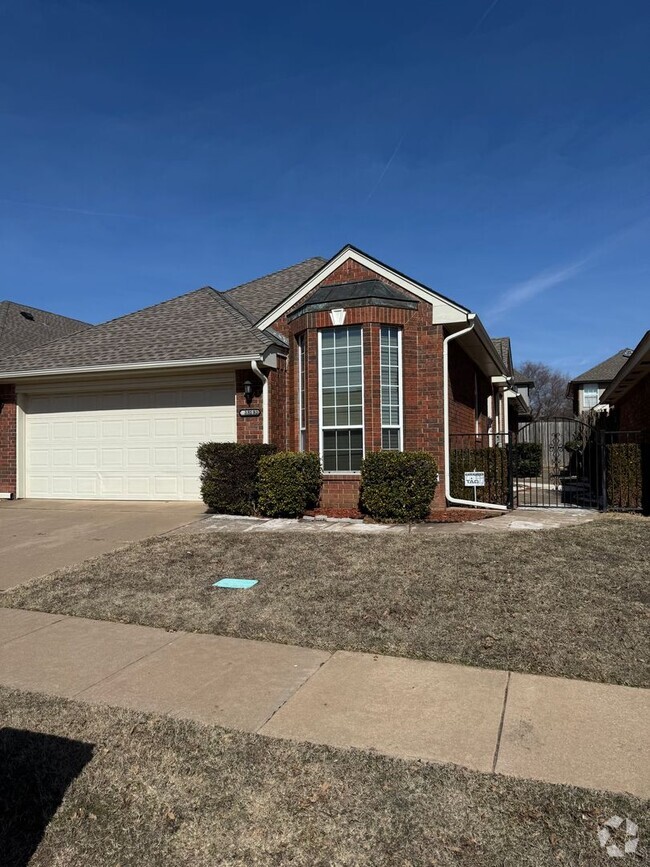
(527,460)
(288,484)
(493,461)
(398,486)
(229,475)
(624,476)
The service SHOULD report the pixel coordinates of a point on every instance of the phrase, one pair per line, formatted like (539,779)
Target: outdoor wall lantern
(249,391)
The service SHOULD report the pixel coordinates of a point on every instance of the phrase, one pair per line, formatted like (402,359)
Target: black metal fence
(557,463)
(480,468)
(554,463)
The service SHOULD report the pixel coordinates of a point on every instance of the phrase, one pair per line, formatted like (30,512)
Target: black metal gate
(557,462)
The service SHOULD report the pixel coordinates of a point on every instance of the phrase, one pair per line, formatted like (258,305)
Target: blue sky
(496,150)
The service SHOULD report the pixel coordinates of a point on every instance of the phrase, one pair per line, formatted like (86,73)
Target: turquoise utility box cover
(236,583)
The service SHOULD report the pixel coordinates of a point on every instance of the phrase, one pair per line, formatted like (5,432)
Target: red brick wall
(279,404)
(351,271)
(249,430)
(8,440)
(465,379)
(634,407)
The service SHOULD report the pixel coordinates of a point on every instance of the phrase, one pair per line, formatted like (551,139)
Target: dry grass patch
(83,785)
(570,602)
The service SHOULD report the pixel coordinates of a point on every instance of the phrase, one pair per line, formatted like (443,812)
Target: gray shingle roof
(23,327)
(260,296)
(502,346)
(606,370)
(201,324)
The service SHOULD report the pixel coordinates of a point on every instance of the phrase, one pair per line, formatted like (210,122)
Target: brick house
(629,392)
(586,390)
(340,356)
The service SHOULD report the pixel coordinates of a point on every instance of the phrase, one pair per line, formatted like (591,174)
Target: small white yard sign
(475,480)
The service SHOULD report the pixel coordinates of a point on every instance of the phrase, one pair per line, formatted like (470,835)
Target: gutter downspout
(445,375)
(265,400)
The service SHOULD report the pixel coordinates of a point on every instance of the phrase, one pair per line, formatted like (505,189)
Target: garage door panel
(112,459)
(62,486)
(63,430)
(124,445)
(62,458)
(138,427)
(87,430)
(87,458)
(87,486)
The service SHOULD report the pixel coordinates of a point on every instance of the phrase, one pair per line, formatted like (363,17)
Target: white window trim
(400,387)
(354,473)
(596,390)
(302,431)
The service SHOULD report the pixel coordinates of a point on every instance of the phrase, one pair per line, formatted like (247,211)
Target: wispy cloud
(385,169)
(484,16)
(60,208)
(518,294)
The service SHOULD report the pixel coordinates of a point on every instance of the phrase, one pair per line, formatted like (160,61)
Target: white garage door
(124,445)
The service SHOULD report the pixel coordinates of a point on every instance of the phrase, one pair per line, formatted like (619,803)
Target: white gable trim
(443,310)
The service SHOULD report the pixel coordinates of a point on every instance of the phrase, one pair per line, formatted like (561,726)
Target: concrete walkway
(39,536)
(520,519)
(560,731)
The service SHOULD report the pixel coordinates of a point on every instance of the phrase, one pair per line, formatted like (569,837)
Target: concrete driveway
(39,536)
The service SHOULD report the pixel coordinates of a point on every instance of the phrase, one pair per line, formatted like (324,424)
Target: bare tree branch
(548,397)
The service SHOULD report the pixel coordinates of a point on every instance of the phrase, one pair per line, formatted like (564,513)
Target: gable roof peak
(606,370)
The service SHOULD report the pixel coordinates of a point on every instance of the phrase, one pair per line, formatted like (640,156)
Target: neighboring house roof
(198,325)
(635,368)
(502,346)
(521,379)
(260,296)
(606,370)
(23,327)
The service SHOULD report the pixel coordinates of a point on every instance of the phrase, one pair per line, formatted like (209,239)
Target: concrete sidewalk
(551,729)
(519,519)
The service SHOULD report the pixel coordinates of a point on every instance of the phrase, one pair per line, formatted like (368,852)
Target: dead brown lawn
(570,602)
(84,785)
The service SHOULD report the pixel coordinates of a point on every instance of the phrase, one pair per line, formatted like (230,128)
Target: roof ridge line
(239,310)
(273,273)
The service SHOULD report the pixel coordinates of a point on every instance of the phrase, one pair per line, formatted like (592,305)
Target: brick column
(8,440)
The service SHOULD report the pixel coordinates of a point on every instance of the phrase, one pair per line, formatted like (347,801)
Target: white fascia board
(12,375)
(447,310)
(499,380)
